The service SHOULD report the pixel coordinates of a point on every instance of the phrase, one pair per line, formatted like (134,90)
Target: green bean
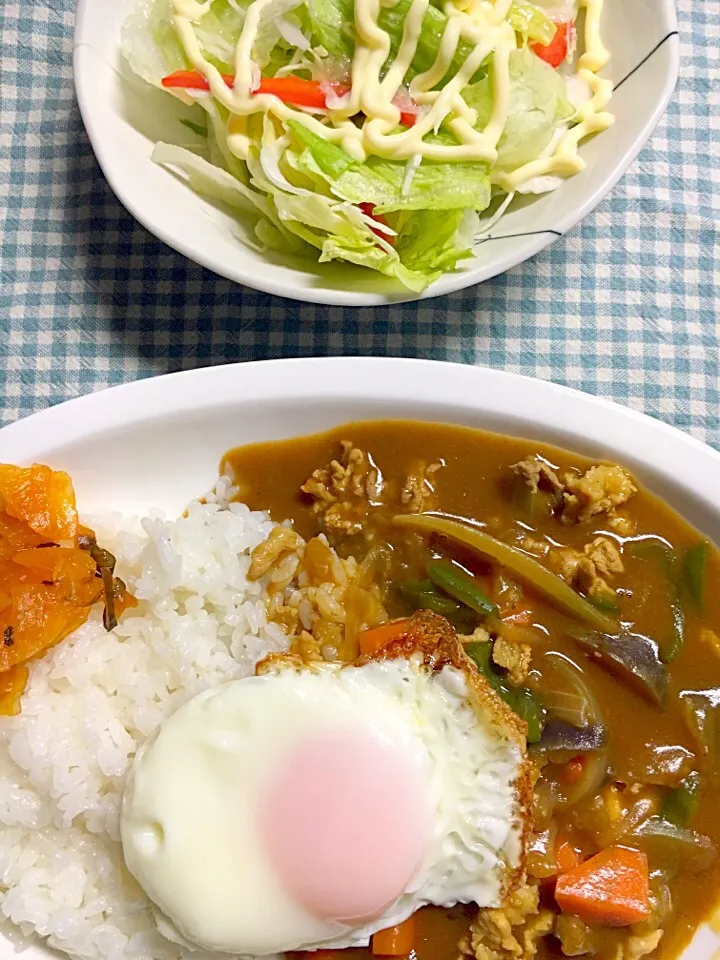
(460,586)
(603,603)
(651,548)
(424,595)
(525,566)
(656,551)
(693,564)
(675,640)
(520,700)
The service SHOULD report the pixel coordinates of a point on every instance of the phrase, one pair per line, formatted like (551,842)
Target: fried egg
(312,805)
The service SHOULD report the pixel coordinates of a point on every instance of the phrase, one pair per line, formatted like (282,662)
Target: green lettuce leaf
(531,23)
(150,42)
(434,186)
(538,102)
(152,47)
(431,243)
(331,22)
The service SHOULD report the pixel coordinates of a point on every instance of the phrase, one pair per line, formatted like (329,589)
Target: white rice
(91,702)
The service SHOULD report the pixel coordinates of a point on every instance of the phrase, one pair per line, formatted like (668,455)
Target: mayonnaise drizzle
(481,24)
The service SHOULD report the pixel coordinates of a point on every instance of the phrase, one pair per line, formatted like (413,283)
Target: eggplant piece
(525,566)
(700,709)
(662,764)
(632,657)
(668,844)
(559,735)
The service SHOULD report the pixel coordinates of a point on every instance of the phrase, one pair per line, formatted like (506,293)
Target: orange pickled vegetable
(12,684)
(43,498)
(395,941)
(51,572)
(610,889)
(370,641)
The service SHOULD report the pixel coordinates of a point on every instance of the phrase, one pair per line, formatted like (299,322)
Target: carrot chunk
(370,641)
(610,889)
(395,941)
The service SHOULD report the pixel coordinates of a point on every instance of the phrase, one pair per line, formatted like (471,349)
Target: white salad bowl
(158,442)
(125,117)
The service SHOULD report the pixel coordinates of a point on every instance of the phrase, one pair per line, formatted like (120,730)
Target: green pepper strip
(603,603)
(460,586)
(658,552)
(693,564)
(521,700)
(521,563)
(423,595)
(679,805)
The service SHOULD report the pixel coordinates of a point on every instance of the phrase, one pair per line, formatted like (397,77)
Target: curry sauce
(655,573)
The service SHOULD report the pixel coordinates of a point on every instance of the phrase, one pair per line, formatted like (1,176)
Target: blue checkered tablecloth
(627,305)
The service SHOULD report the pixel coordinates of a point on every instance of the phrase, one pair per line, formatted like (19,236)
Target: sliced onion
(632,657)
(565,694)
(595,773)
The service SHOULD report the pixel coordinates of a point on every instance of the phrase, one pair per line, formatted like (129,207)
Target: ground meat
(605,555)
(281,542)
(343,491)
(538,475)
(514,657)
(600,489)
(347,490)
(622,525)
(306,647)
(577,497)
(418,490)
(351,475)
(575,936)
(636,946)
(538,548)
(510,932)
(587,570)
(479,635)
(711,639)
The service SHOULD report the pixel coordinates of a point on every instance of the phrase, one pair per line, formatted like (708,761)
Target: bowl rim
(528,244)
(631,436)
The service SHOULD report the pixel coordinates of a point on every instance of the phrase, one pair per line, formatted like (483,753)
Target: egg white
(188,822)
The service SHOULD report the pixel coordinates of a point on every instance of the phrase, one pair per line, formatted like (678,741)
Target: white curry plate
(159,442)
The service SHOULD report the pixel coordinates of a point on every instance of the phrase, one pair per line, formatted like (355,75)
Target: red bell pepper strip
(295,90)
(369,210)
(191,80)
(555,52)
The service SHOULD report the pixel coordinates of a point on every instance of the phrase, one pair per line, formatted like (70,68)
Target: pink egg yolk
(345,825)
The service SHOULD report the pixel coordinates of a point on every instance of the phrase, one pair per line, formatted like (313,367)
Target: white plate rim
(634,437)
